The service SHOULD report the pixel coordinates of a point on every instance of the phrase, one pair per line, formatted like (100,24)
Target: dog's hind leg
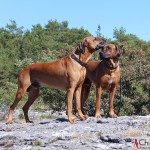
(21,91)
(32,95)
(23,85)
(85,92)
(98,102)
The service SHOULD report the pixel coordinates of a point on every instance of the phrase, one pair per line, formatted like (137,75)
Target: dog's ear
(82,45)
(80,49)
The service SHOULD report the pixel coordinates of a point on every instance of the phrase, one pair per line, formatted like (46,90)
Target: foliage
(58,98)
(37,143)
(19,47)
(135,71)
(7,94)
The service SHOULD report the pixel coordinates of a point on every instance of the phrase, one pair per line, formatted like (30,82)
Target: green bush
(19,48)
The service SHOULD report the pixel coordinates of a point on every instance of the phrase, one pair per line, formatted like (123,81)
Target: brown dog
(105,75)
(67,74)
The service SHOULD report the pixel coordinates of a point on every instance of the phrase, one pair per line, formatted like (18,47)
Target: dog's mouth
(101,45)
(111,63)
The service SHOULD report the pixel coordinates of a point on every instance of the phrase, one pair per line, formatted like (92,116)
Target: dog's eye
(108,48)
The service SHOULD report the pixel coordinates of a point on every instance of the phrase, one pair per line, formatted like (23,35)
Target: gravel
(57,133)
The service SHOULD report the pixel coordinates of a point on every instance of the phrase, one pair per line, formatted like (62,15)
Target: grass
(37,143)
(21,116)
(48,117)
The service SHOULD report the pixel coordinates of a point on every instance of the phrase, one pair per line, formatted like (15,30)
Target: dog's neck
(82,58)
(111,65)
(87,55)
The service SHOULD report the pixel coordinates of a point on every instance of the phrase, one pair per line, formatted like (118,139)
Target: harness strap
(78,60)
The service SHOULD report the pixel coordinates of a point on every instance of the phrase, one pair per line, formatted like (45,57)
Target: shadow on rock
(45,122)
(62,120)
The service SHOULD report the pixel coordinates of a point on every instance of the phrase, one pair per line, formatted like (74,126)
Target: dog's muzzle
(103,56)
(101,45)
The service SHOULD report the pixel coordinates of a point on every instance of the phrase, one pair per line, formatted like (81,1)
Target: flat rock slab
(91,134)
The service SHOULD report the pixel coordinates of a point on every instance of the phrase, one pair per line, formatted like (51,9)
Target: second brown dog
(105,74)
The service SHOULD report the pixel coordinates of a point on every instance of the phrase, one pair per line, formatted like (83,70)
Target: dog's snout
(99,46)
(101,43)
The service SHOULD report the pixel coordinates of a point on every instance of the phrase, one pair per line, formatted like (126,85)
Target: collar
(78,60)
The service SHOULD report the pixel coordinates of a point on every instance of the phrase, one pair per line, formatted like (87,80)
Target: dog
(67,74)
(105,75)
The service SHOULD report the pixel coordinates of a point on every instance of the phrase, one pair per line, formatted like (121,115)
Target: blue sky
(133,15)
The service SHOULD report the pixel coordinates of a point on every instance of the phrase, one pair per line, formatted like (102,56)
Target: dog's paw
(29,121)
(72,120)
(9,122)
(112,115)
(97,115)
(83,117)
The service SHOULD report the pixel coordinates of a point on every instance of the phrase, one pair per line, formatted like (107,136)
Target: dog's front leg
(70,93)
(98,103)
(78,103)
(111,103)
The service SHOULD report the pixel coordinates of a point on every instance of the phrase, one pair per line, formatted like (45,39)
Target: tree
(55,40)
(98,32)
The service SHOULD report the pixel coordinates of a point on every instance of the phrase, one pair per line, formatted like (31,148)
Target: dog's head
(91,44)
(109,56)
(110,51)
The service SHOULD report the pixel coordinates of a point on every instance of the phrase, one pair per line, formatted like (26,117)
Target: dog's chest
(107,81)
(110,80)
(82,75)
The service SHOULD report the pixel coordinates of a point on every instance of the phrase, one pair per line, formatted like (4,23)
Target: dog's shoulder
(92,65)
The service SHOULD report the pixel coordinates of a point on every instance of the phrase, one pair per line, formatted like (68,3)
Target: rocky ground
(53,131)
